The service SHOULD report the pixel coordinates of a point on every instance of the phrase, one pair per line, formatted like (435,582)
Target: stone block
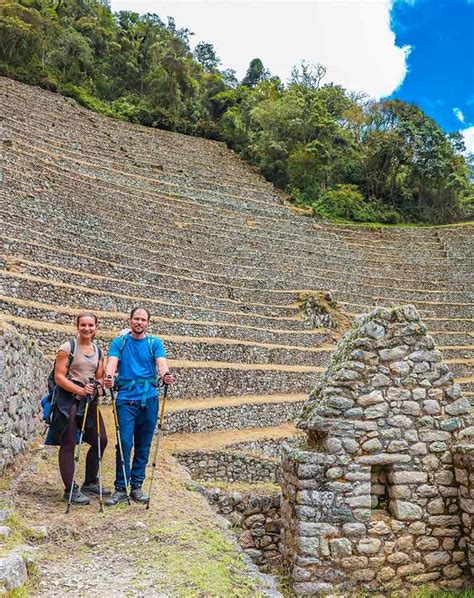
(444,520)
(400,421)
(364,575)
(372,398)
(316,529)
(398,558)
(431,407)
(355,562)
(369,546)
(394,353)
(427,543)
(372,446)
(405,543)
(398,394)
(333,473)
(313,588)
(410,408)
(354,529)
(307,545)
(452,571)
(385,574)
(376,411)
(435,507)
(400,367)
(408,477)
(379,528)
(437,559)
(340,547)
(412,569)
(13,572)
(405,511)
(459,407)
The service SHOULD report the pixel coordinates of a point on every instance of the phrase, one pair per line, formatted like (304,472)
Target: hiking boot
(138,495)
(117,497)
(93,488)
(77,497)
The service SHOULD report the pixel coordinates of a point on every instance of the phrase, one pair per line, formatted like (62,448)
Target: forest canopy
(340,153)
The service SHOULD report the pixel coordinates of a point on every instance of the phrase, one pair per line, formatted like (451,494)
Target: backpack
(49,400)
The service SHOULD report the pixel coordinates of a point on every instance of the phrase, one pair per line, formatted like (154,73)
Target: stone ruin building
(381,497)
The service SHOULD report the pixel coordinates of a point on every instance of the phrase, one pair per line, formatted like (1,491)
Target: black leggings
(68,444)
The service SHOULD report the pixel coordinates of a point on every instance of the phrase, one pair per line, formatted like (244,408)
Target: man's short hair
(135,309)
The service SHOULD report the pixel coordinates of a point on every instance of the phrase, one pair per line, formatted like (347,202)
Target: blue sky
(417,50)
(440,73)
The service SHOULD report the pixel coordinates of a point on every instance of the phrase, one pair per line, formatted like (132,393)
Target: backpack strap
(151,346)
(72,352)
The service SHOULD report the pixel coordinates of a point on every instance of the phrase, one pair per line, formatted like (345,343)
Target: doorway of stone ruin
(380,487)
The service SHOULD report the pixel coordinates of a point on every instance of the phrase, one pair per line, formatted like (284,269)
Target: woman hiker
(77,362)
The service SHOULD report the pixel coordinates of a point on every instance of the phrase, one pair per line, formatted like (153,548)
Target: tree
(255,73)
(206,56)
(308,74)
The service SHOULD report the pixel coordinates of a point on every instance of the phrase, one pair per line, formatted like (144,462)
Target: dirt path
(178,548)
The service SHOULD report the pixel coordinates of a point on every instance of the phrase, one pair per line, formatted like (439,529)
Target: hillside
(103,214)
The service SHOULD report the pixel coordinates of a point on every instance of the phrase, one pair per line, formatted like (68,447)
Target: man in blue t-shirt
(134,360)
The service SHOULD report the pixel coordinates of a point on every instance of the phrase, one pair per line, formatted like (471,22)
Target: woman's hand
(87,390)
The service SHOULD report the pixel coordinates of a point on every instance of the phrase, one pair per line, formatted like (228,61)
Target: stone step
(67,287)
(178,347)
(148,250)
(309,245)
(231,413)
(372,253)
(457,351)
(351,303)
(425,308)
(52,254)
(447,337)
(101,303)
(461,367)
(99,157)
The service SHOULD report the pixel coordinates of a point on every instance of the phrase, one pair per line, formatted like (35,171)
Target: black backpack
(48,401)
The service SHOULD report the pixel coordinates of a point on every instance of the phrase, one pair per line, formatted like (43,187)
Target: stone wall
(256,520)
(23,374)
(229,466)
(267,447)
(372,499)
(231,417)
(464,472)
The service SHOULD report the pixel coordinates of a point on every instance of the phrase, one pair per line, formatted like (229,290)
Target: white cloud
(352,38)
(468,135)
(458,114)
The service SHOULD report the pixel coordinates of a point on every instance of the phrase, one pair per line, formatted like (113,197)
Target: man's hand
(109,382)
(168,378)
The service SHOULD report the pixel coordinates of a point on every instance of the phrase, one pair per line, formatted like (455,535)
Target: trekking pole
(119,443)
(99,454)
(78,453)
(158,436)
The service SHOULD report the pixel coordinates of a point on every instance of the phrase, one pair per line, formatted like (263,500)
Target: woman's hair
(86,314)
(132,313)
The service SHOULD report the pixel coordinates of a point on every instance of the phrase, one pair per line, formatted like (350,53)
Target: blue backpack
(131,384)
